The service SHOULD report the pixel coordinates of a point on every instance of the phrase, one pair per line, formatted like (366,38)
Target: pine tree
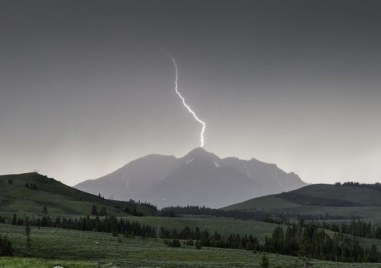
(14,219)
(94,210)
(5,246)
(373,255)
(28,233)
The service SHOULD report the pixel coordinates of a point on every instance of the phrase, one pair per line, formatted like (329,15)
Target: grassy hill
(28,193)
(342,200)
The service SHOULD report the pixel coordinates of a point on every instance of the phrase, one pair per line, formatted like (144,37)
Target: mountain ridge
(348,200)
(197,178)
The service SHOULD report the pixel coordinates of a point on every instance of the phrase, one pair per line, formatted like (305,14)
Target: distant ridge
(198,178)
(349,200)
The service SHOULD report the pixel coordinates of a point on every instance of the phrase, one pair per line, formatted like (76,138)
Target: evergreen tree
(5,246)
(373,255)
(28,233)
(94,210)
(14,219)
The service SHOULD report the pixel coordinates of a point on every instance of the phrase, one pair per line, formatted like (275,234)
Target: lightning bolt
(185,104)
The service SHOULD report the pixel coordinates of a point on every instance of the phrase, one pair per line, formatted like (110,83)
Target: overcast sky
(85,86)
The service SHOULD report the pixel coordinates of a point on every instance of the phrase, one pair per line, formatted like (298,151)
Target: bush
(5,246)
(174,243)
(264,261)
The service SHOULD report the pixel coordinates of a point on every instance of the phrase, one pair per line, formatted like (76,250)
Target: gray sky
(85,87)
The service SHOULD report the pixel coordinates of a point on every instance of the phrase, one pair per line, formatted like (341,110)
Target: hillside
(198,178)
(30,192)
(345,200)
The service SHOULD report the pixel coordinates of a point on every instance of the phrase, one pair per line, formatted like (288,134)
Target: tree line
(355,228)
(296,240)
(108,224)
(311,241)
(197,210)
(279,218)
(375,186)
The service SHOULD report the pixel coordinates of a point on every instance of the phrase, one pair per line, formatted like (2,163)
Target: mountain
(30,192)
(198,178)
(346,200)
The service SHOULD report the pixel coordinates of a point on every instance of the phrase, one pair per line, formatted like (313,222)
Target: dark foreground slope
(345,200)
(30,192)
(199,178)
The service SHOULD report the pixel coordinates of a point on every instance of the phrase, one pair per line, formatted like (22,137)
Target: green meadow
(68,248)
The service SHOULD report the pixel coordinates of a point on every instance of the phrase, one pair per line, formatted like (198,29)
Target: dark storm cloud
(85,86)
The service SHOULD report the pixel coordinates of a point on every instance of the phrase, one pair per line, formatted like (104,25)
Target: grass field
(69,248)
(224,226)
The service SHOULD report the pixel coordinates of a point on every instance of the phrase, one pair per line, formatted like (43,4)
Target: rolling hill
(348,200)
(199,178)
(28,193)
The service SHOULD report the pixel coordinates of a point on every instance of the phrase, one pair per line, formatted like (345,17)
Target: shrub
(264,261)
(5,246)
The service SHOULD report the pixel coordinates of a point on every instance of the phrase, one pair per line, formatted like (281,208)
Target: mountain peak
(198,150)
(201,153)
(201,157)
(198,178)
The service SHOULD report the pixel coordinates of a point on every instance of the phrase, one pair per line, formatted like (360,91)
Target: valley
(48,203)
